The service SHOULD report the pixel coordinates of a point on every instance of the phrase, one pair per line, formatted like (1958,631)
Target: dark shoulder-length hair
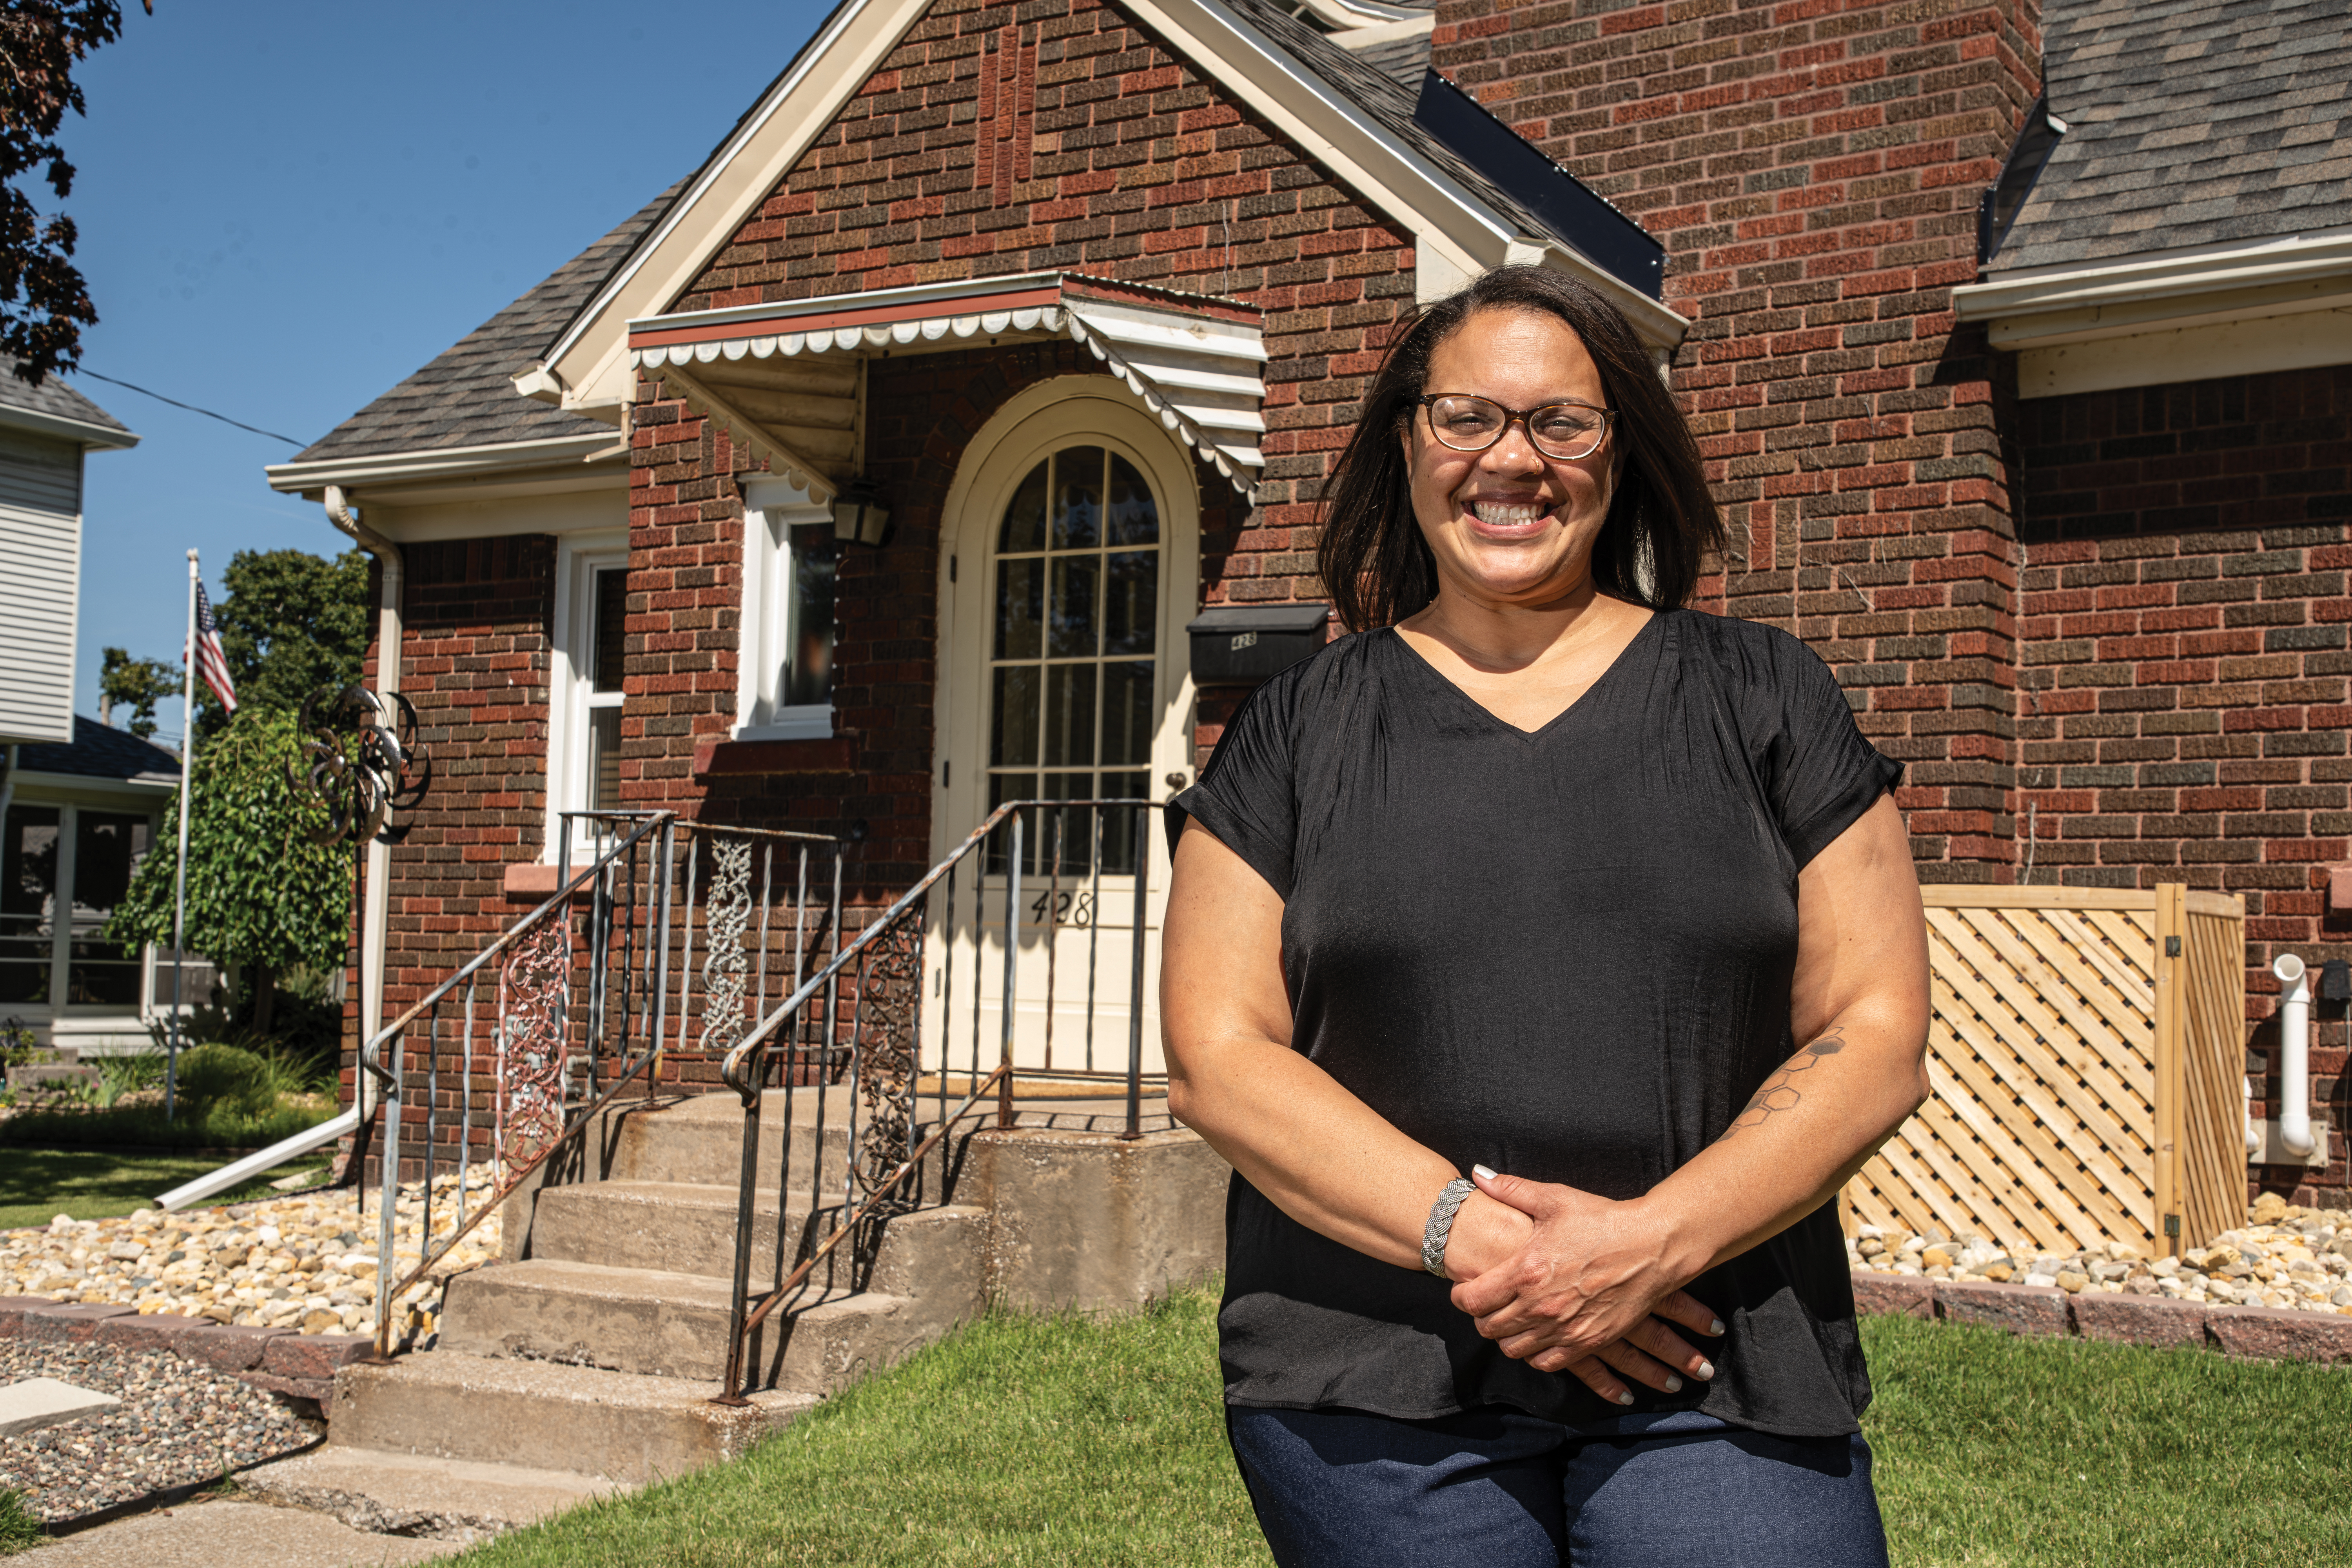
(1662,522)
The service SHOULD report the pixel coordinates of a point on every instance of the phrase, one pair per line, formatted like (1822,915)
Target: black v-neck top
(1564,954)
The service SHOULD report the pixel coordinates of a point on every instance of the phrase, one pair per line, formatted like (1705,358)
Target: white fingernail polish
(1624,1397)
(1716,1327)
(1705,1369)
(1674,1383)
(1483,1171)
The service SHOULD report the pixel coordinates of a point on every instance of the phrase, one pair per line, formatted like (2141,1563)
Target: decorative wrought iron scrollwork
(532,1058)
(364,761)
(728,913)
(889,1005)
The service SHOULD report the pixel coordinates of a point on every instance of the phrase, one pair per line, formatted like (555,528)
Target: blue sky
(285,209)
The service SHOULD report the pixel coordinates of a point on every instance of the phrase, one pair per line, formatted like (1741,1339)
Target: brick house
(2055,479)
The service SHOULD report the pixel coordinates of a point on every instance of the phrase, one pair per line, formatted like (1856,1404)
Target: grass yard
(38,1184)
(1028,1441)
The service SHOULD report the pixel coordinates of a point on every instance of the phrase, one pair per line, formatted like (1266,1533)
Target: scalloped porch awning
(784,378)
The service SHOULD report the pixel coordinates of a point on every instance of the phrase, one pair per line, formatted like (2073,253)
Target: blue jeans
(1496,1487)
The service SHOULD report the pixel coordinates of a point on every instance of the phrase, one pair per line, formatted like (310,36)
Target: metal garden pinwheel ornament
(364,761)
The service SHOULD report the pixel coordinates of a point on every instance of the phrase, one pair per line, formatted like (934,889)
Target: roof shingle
(2191,122)
(54,398)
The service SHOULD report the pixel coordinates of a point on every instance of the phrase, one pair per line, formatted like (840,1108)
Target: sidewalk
(225,1534)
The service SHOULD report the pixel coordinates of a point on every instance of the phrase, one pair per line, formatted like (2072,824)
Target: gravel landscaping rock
(304,1265)
(180,1423)
(2285,1258)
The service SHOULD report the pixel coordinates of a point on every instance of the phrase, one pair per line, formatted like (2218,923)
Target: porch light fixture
(860,513)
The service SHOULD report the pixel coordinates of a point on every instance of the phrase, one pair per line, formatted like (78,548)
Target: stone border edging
(277,1360)
(2267,1333)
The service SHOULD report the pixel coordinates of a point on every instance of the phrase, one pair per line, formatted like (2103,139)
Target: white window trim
(772,507)
(577,559)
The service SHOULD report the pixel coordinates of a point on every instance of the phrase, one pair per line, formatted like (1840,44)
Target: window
(62,871)
(788,633)
(584,695)
(608,609)
(1072,655)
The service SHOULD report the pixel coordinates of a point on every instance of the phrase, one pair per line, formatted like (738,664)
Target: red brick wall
(1812,169)
(2185,673)
(476,631)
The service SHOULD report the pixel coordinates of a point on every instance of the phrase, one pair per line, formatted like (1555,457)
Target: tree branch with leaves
(44,302)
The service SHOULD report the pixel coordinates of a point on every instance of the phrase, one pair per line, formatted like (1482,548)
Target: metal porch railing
(881,1015)
(635,975)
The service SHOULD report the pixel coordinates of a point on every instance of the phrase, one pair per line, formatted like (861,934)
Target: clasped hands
(1568,1282)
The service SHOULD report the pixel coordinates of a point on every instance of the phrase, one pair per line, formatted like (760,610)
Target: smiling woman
(1540,873)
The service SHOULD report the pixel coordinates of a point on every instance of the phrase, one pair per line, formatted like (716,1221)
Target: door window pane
(1076,583)
(28,885)
(1074,680)
(1134,517)
(1131,604)
(1077,498)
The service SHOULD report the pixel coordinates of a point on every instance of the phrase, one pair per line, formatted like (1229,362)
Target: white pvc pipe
(237,1172)
(2295,1048)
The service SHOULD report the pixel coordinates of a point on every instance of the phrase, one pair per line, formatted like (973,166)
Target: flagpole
(180,876)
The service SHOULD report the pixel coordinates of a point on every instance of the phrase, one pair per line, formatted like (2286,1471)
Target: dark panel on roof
(1390,103)
(465,397)
(2191,122)
(99,753)
(1611,240)
(54,398)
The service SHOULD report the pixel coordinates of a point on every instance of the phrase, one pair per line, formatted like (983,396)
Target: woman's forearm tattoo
(1781,1091)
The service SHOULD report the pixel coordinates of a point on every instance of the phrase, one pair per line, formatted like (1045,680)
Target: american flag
(210,662)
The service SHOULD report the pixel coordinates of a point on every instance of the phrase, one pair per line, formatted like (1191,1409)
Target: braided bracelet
(1441,1224)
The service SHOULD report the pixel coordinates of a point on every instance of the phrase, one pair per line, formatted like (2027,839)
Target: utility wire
(192,408)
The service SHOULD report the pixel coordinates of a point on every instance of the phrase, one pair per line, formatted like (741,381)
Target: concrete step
(616,1427)
(659,1323)
(421,1497)
(688,1227)
(655,1322)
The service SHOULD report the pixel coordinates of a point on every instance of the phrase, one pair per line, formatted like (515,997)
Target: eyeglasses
(1562,430)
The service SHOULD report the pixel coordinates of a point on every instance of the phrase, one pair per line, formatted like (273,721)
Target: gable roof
(1355,121)
(2190,122)
(54,408)
(466,397)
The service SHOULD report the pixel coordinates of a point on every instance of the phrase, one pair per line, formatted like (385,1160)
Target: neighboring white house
(79,803)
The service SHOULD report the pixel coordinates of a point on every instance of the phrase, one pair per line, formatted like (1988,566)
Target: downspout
(2295,1053)
(378,907)
(8,784)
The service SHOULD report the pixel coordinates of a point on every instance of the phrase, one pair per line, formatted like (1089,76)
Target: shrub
(228,1077)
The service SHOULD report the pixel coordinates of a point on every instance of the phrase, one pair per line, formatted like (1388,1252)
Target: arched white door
(1070,564)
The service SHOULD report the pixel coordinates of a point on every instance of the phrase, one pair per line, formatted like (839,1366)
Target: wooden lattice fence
(2086,1052)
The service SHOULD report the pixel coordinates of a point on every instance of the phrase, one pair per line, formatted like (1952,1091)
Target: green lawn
(38,1184)
(1028,1441)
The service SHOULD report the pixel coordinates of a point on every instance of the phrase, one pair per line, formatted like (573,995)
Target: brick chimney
(1814,168)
